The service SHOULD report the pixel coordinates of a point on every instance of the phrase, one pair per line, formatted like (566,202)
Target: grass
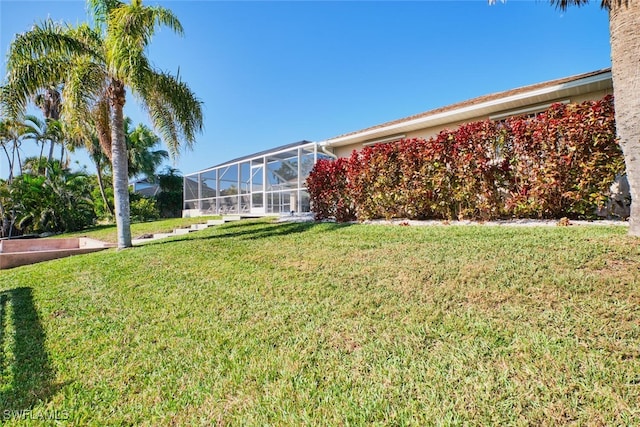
(107,233)
(259,323)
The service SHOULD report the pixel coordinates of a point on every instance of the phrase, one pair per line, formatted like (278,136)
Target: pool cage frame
(271,182)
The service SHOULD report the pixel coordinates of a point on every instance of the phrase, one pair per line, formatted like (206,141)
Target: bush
(328,190)
(564,161)
(143,209)
(560,163)
(169,204)
(57,203)
(170,198)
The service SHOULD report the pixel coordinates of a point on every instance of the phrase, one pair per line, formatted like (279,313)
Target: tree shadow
(261,230)
(25,370)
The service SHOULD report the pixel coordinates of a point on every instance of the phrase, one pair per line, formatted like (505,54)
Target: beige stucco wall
(426,133)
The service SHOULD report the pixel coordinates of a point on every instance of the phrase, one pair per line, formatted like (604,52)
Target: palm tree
(11,133)
(143,160)
(96,64)
(49,103)
(42,131)
(100,160)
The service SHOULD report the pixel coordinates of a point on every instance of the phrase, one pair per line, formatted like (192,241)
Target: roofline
(424,119)
(276,150)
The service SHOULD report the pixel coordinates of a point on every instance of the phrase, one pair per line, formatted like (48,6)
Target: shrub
(170,198)
(143,209)
(564,161)
(560,163)
(57,203)
(328,189)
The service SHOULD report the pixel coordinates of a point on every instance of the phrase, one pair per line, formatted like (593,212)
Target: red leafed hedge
(560,163)
(329,190)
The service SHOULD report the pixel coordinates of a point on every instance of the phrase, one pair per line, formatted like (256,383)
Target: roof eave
(487,108)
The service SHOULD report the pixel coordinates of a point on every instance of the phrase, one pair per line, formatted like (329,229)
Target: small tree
(169,199)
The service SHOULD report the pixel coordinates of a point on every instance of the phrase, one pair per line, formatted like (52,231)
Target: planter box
(14,253)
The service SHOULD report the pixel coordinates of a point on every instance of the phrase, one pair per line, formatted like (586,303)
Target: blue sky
(274,72)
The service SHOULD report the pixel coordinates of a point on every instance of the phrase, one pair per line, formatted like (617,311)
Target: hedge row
(559,163)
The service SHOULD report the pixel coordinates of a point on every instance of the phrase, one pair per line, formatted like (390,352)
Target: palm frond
(175,111)
(91,39)
(26,80)
(139,23)
(99,10)
(33,128)
(130,30)
(43,40)
(41,58)
(83,90)
(564,4)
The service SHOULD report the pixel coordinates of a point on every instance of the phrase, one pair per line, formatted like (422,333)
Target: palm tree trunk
(5,221)
(40,158)
(625,51)
(101,186)
(120,165)
(50,158)
(14,150)
(19,159)
(10,179)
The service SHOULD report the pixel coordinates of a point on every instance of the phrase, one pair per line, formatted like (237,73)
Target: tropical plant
(5,215)
(169,199)
(41,132)
(49,102)
(141,140)
(102,195)
(34,165)
(143,208)
(100,160)
(60,201)
(11,133)
(96,64)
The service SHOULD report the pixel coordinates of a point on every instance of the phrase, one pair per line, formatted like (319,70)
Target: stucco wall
(426,133)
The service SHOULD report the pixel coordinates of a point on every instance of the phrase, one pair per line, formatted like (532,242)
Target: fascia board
(487,108)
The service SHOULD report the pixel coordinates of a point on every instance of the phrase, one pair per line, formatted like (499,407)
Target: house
(144,187)
(273,181)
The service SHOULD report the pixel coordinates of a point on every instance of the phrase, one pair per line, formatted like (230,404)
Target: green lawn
(259,323)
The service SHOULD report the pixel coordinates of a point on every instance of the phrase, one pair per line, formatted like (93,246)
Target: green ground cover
(260,323)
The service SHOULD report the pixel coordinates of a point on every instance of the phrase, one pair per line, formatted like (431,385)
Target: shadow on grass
(261,230)
(25,370)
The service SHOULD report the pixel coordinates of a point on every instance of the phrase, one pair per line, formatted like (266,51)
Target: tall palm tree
(96,64)
(12,132)
(49,102)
